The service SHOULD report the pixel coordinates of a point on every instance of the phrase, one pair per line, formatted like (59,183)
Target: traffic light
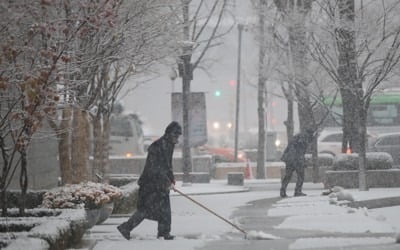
(232,83)
(217,93)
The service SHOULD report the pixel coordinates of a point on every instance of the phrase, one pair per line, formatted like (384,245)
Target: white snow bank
(315,212)
(309,205)
(342,223)
(323,242)
(259,235)
(28,243)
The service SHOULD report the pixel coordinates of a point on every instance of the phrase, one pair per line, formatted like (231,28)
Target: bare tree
(300,81)
(143,30)
(35,44)
(82,63)
(201,29)
(365,53)
(125,44)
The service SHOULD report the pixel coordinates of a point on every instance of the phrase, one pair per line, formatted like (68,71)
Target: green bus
(383,113)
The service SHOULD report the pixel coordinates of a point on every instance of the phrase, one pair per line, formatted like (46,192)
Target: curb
(376,203)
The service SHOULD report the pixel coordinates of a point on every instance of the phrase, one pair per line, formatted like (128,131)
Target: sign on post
(197,116)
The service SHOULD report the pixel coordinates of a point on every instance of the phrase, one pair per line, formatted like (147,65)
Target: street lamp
(240,29)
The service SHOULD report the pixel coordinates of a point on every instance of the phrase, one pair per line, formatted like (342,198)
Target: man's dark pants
(290,168)
(163,218)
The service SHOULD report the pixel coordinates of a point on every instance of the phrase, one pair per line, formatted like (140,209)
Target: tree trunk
(298,48)
(3,182)
(23,182)
(289,123)
(261,98)
(106,143)
(64,146)
(97,164)
(351,120)
(79,145)
(347,71)
(362,163)
(314,160)
(3,200)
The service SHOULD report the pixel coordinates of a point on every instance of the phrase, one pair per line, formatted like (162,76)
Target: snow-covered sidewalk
(323,213)
(195,228)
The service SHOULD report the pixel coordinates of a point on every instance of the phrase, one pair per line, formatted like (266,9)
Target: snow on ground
(315,213)
(375,193)
(311,243)
(194,226)
(208,188)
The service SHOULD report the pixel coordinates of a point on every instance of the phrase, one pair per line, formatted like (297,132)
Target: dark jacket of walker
(293,155)
(156,179)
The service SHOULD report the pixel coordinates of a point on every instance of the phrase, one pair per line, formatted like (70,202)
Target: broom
(209,210)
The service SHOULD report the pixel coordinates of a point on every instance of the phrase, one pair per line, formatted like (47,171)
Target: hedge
(375,161)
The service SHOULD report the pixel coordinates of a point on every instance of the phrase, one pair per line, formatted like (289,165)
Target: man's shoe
(166,236)
(125,233)
(300,194)
(283,194)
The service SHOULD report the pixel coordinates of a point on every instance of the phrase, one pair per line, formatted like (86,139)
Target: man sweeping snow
(154,185)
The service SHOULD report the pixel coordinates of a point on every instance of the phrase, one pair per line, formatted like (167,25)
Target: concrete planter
(62,229)
(92,216)
(308,172)
(375,178)
(105,212)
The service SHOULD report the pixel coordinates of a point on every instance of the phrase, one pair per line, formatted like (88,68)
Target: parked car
(330,141)
(387,142)
(223,154)
(126,135)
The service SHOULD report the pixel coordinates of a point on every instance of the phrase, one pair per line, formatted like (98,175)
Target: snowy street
(309,222)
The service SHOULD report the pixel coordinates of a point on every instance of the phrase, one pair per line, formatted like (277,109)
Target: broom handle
(209,210)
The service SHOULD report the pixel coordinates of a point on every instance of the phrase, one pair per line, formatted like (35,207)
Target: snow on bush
(323,159)
(375,160)
(127,202)
(89,195)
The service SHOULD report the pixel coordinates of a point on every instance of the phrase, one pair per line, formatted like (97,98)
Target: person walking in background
(155,183)
(294,158)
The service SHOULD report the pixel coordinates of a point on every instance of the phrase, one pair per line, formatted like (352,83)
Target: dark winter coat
(156,179)
(293,154)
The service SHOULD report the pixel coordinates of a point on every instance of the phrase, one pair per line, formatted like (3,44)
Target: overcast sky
(152,100)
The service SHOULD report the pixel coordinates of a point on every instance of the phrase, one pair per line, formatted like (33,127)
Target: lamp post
(240,29)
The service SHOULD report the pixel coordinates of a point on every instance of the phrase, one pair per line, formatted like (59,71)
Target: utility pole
(240,29)
(186,71)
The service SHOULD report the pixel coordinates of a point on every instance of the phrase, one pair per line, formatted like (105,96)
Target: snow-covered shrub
(33,198)
(379,160)
(323,159)
(120,180)
(89,195)
(375,160)
(127,202)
